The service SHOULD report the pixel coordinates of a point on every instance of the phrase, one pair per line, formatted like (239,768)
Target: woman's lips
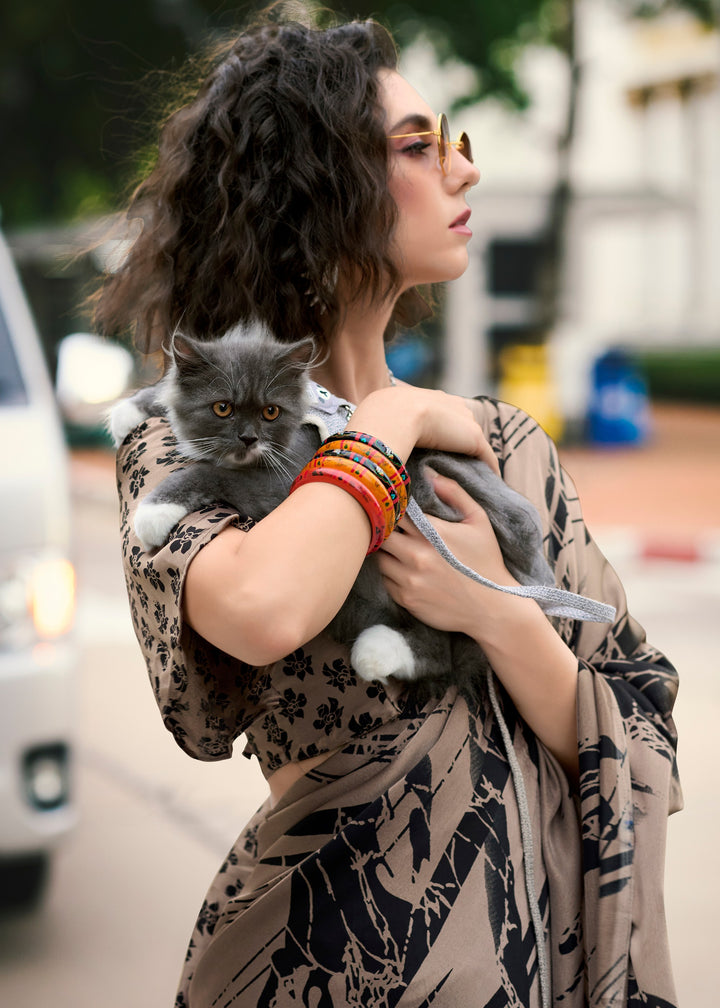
(459,225)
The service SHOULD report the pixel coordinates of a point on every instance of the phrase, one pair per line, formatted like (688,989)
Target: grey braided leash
(553,601)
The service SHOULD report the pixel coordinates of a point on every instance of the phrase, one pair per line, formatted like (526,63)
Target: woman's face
(430,240)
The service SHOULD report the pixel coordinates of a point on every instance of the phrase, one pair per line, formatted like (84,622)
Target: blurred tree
(77,78)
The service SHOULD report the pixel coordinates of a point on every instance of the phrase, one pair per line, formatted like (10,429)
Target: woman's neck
(356,364)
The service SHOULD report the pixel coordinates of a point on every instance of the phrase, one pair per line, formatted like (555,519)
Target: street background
(592,289)
(154,825)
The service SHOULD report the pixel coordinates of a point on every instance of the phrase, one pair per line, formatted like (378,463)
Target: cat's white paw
(154,522)
(122,418)
(380,652)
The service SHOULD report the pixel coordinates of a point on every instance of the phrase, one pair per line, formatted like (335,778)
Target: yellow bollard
(526,381)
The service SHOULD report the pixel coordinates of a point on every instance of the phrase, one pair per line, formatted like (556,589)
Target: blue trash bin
(619,412)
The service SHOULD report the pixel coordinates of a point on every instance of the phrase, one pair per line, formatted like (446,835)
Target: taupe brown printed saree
(393,874)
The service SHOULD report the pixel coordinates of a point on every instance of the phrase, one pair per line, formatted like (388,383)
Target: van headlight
(37,600)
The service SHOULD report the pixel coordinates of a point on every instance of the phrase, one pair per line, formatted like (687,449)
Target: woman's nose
(467,173)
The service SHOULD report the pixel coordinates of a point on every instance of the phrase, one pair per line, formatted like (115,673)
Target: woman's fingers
(480,447)
(400,542)
(450,491)
(488,456)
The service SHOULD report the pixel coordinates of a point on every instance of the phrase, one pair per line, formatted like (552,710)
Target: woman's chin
(440,272)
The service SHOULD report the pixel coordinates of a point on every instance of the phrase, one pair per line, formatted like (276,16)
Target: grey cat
(238,407)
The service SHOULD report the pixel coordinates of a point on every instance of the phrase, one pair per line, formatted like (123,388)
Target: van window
(12,387)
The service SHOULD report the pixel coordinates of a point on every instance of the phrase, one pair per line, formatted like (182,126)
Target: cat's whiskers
(284,452)
(221,387)
(277,466)
(280,461)
(229,459)
(277,375)
(199,448)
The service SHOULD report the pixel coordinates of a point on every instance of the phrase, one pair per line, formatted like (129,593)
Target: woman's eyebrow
(413,121)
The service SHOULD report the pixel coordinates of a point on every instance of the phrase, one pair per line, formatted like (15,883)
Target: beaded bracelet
(357,489)
(373,442)
(363,450)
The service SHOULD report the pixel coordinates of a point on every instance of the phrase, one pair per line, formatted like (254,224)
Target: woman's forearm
(261,594)
(538,670)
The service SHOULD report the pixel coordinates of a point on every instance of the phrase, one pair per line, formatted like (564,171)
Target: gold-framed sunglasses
(445,144)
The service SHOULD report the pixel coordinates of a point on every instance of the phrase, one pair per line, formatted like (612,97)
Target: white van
(38,659)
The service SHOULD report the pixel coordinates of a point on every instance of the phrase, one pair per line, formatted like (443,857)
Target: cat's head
(238,400)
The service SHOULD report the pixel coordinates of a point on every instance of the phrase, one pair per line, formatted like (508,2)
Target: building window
(512,266)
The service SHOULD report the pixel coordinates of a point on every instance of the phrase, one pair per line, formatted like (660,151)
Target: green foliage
(489,35)
(682,375)
(78,79)
(707,11)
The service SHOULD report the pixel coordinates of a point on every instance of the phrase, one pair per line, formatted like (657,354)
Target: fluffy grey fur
(248,459)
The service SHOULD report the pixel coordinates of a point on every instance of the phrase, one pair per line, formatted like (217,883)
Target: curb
(632,544)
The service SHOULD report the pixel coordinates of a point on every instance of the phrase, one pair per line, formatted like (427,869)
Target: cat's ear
(185,352)
(302,353)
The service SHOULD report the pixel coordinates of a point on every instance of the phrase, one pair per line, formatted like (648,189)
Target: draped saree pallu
(393,874)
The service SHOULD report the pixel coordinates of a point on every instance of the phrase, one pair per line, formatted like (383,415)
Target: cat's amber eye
(271,412)
(222,409)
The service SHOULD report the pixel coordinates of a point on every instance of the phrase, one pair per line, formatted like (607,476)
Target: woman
(306,184)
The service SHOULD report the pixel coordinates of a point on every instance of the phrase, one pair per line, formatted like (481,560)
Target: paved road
(154,825)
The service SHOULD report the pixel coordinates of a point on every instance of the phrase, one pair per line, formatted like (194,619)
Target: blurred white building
(643,239)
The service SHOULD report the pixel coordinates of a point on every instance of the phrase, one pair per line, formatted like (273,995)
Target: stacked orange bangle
(365,468)
(364,476)
(369,441)
(373,458)
(357,489)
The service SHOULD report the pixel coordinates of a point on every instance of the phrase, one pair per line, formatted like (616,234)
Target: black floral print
(298,664)
(339,675)
(292,705)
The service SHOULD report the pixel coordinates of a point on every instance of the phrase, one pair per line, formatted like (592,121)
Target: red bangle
(359,473)
(377,471)
(357,489)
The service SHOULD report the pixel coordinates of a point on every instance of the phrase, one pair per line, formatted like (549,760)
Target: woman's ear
(303,353)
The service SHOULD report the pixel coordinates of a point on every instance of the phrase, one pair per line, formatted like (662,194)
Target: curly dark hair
(267,184)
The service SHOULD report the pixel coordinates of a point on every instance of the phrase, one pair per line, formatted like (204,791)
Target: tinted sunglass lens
(465,148)
(444,143)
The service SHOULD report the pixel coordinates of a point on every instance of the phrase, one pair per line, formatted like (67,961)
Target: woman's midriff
(285,776)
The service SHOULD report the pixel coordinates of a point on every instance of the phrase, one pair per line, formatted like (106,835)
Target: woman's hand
(404,416)
(422,581)
(241,590)
(537,668)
